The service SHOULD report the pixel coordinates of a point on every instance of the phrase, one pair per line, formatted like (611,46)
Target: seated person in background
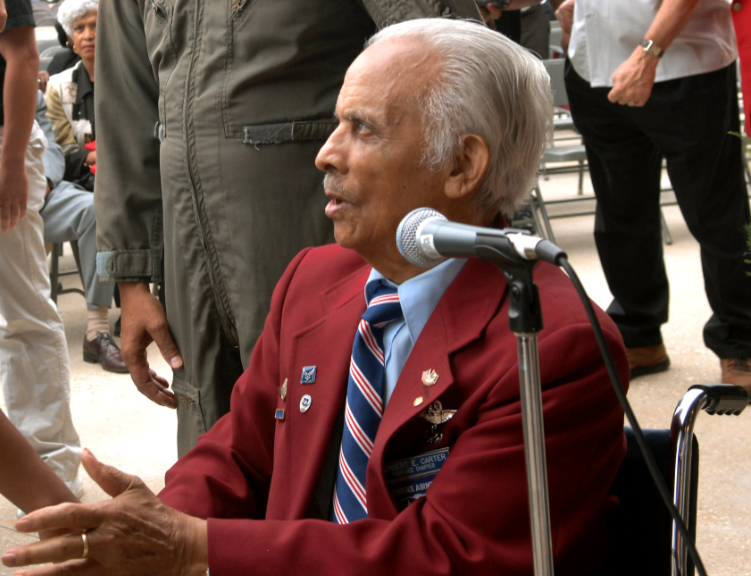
(66,58)
(68,214)
(314,468)
(25,479)
(70,94)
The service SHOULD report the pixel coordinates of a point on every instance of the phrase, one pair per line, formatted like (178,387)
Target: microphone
(426,238)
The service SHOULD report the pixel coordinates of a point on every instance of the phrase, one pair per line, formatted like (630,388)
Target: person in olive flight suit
(210,116)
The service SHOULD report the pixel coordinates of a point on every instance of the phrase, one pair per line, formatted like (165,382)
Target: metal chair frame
(55,273)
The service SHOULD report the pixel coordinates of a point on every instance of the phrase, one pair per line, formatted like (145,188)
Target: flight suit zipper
(224,314)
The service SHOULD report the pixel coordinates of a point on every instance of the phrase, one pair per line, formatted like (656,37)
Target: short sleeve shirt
(20,14)
(606,32)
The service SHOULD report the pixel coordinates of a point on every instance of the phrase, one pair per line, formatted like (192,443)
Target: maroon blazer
(255,476)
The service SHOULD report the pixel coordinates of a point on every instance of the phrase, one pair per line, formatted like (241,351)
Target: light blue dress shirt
(418,297)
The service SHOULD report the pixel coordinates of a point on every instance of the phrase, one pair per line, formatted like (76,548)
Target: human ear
(469,168)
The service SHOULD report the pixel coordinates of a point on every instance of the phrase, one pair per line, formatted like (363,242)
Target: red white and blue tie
(364,408)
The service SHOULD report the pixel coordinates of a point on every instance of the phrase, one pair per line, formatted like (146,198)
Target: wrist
(652,48)
(128,288)
(645,59)
(12,159)
(198,562)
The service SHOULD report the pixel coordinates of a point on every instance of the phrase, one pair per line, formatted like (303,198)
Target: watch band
(651,48)
(500,4)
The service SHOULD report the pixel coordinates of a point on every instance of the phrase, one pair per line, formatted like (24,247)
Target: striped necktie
(364,408)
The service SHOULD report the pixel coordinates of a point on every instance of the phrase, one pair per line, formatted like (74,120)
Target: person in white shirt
(647,81)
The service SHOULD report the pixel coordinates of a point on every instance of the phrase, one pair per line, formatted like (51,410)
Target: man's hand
(634,79)
(565,16)
(490,14)
(144,322)
(14,193)
(42,79)
(134,533)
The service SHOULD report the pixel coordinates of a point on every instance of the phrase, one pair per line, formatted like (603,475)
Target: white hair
(487,86)
(72,10)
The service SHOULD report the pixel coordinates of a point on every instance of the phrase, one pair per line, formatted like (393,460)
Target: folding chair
(55,274)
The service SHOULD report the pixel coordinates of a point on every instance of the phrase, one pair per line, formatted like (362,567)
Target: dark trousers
(686,121)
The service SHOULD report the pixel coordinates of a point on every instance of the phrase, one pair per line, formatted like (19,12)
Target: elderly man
(402,451)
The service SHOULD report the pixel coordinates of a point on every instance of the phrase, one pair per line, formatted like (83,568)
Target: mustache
(334,183)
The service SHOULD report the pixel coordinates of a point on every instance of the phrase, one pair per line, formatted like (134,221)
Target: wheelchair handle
(723,399)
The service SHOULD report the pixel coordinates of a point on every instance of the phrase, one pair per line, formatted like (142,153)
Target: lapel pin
(436,417)
(435,414)
(429,377)
(305,403)
(283,390)
(308,375)
(417,401)
(279,414)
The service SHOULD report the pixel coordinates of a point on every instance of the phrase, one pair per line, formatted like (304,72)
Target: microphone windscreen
(407,239)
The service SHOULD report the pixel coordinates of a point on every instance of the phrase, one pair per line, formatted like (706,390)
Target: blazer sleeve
(227,473)
(128,199)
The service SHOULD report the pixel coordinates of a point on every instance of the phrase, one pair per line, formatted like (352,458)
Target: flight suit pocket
(190,418)
(297,131)
(161,48)
(283,63)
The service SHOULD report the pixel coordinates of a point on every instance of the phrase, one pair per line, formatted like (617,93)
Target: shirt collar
(420,295)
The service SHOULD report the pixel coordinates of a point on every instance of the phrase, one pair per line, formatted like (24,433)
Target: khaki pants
(34,369)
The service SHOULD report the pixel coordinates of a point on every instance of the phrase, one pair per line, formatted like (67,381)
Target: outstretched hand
(144,322)
(134,533)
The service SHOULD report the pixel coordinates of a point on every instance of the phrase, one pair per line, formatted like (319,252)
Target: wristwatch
(651,48)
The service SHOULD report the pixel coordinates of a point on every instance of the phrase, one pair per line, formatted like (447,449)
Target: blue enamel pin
(279,414)
(308,375)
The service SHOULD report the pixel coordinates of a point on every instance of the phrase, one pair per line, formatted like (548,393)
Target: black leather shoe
(104,351)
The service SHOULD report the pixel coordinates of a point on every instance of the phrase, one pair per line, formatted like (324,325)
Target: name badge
(410,478)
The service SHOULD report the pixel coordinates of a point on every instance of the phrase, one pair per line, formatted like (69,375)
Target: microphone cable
(638,434)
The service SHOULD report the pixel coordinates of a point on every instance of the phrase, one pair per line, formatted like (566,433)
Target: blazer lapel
(467,306)
(326,345)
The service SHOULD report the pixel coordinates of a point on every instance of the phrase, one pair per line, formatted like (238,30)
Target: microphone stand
(525,320)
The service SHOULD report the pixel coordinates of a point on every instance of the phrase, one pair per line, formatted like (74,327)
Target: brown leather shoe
(737,371)
(104,350)
(647,360)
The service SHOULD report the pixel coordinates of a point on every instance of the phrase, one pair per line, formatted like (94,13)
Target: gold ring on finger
(85,539)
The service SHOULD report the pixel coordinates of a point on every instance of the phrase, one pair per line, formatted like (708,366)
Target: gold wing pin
(436,415)
(283,390)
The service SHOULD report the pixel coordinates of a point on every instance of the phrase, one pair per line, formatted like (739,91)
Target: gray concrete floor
(124,429)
